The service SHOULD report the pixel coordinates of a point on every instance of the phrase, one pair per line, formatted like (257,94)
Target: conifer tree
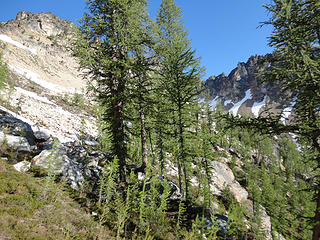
(109,33)
(180,74)
(296,38)
(295,66)
(3,72)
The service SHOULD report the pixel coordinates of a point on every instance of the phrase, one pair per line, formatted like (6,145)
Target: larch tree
(295,65)
(3,72)
(180,75)
(296,39)
(110,32)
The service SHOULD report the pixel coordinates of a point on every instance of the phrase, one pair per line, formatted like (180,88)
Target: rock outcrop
(243,91)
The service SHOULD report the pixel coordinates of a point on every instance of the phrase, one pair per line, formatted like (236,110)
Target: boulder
(23,166)
(10,142)
(221,223)
(57,161)
(15,127)
(223,178)
(81,154)
(42,135)
(266,226)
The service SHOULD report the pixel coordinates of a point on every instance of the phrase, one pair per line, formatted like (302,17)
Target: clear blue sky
(223,32)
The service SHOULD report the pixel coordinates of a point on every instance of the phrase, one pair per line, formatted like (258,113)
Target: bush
(3,72)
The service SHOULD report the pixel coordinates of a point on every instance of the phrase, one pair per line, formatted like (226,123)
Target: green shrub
(3,72)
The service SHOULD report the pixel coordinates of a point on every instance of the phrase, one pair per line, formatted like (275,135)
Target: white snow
(8,39)
(214,102)
(257,106)
(36,78)
(227,102)
(287,112)
(235,108)
(34,96)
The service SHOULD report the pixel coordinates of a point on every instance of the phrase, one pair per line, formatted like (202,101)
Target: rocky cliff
(243,91)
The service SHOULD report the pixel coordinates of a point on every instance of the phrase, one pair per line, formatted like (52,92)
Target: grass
(26,214)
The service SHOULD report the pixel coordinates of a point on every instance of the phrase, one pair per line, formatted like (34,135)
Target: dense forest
(146,80)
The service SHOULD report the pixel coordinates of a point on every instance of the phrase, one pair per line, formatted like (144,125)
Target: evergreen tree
(295,66)
(180,75)
(296,38)
(3,72)
(110,33)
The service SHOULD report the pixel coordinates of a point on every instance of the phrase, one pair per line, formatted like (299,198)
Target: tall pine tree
(110,33)
(180,75)
(296,38)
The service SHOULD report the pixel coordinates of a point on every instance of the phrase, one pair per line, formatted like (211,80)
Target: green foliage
(181,217)
(236,220)
(200,230)
(110,33)
(3,73)
(26,215)
(179,77)
(78,100)
(295,64)
(51,163)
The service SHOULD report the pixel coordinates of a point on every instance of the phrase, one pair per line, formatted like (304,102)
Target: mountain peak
(43,22)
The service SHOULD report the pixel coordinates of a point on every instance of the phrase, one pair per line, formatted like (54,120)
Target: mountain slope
(32,209)
(45,79)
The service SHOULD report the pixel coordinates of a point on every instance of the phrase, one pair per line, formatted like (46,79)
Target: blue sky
(223,32)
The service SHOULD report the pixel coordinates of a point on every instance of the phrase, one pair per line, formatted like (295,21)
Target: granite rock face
(45,74)
(46,22)
(231,89)
(223,178)
(57,162)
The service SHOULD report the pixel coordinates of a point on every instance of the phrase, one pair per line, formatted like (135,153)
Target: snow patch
(235,108)
(34,96)
(36,78)
(214,102)
(227,102)
(287,112)
(8,39)
(257,106)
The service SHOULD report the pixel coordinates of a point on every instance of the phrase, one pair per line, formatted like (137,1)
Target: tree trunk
(118,135)
(144,149)
(178,158)
(161,154)
(316,228)
(182,155)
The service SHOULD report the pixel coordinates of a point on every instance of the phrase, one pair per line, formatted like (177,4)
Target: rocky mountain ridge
(243,91)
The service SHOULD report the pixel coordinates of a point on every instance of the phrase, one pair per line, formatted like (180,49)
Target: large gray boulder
(15,127)
(9,143)
(223,178)
(266,225)
(57,162)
